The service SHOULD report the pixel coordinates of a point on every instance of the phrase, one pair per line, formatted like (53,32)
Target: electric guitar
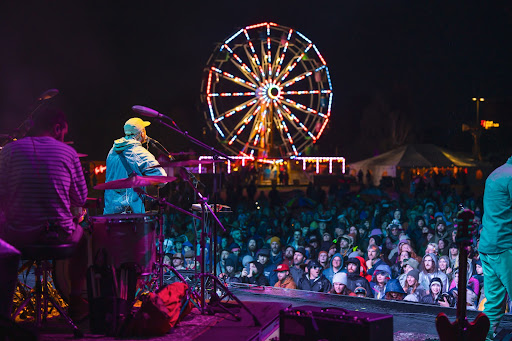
(462,329)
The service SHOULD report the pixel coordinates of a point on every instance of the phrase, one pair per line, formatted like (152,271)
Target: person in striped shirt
(41,180)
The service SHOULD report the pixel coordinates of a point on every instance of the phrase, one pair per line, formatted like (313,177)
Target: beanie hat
(275,239)
(438,280)
(263,252)
(378,239)
(414,273)
(314,263)
(246,260)
(340,277)
(234,246)
(302,250)
(354,261)
(230,262)
(412,262)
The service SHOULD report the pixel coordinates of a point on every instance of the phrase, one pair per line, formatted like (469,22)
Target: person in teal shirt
(495,245)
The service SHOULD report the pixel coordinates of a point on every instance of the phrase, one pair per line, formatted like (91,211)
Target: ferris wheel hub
(269,91)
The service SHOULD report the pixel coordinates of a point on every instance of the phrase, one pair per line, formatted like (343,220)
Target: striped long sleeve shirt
(40,179)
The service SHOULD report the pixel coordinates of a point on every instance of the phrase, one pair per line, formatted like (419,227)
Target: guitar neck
(461,285)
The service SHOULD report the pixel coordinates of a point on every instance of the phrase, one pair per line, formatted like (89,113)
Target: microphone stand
(215,299)
(24,127)
(193,139)
(161,252)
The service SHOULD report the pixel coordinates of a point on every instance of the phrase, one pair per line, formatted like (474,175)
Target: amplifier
(315,323)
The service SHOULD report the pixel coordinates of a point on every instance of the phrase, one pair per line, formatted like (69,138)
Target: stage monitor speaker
(315,323)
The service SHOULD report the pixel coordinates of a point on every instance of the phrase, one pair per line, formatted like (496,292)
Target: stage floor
(411,321)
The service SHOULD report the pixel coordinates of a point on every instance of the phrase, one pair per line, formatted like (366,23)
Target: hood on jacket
(123,143)
(393,285)
(341,257)
(446,258)
(434,260)
(382,268)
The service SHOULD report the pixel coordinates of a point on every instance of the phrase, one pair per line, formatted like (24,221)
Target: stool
(42,256)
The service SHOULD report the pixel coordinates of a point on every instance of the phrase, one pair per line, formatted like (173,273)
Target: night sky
(419,61)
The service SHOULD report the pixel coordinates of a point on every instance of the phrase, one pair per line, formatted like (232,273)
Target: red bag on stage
(174,296)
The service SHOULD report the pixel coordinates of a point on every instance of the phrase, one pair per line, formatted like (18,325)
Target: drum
(126,238)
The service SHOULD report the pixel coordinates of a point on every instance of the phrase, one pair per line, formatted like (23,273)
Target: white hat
(134,125)
(340,277)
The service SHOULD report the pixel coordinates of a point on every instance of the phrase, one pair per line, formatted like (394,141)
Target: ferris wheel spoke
(234,79)
(296,122)
(303,108)
(236,109)
(243,123)
(254,60)
(284,132)
(239,63)
(307,92)
(231,94)
(292,64)
(269,52)
(283,53)
(300,77)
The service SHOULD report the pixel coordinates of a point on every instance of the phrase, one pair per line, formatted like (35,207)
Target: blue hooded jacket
(329,273)
(139,159)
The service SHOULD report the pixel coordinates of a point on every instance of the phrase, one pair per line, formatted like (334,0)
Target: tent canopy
(412,156)
(418,155)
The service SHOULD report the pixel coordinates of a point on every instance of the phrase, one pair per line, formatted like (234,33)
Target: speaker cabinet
(315,323)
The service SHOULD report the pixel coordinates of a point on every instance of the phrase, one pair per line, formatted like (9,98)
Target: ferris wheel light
(319,55)
(328,77)
(218,129)
(303,36)
(233,36)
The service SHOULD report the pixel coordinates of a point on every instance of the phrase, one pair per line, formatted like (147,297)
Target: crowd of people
(337,241)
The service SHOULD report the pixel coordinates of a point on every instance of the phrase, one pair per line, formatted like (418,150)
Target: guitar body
(473,331)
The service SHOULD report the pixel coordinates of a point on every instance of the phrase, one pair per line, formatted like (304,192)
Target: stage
(411,321)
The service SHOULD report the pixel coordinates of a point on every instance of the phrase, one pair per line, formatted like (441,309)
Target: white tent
(411,156)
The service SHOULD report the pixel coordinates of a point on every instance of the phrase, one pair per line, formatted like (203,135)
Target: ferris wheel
(267,92)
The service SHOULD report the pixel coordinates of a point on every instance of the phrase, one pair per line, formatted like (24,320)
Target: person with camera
(253,274)
(436,295)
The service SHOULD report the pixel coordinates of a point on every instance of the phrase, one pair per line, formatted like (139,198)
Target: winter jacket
(319,284)
(139,160)
(287,283)
(330,272)
(426,277)
(354,281)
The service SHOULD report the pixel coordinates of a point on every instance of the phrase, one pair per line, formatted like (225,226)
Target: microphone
(160,147)
(50,93)
(145,111)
